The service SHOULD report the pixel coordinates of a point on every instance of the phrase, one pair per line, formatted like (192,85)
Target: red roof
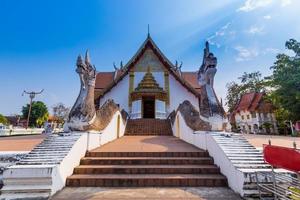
(249,101)
(104,79)
(149,43)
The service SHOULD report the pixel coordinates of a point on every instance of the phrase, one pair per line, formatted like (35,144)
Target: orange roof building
(254,114)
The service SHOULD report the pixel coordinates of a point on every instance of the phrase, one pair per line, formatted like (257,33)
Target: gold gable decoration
(148,87)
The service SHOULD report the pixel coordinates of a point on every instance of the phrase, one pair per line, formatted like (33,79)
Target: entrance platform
(174,193)
(147,144)
(147,161)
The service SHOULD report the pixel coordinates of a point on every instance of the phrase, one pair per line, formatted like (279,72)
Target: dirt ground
(20,143)
(259,140)
(28,142)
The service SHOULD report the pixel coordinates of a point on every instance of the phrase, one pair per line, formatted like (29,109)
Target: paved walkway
(141,143)
(175,193)
(20,143)
(147,144)
(259,140)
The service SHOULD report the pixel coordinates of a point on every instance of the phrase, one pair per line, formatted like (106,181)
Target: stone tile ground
(20,143)
(259,140)
(187,193)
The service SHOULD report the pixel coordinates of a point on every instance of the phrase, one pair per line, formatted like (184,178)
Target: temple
(150,86)
(145,124)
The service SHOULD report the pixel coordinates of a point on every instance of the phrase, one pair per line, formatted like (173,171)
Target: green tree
(234,92)
(249,82)
(3,120)
(39,113)
(285,81)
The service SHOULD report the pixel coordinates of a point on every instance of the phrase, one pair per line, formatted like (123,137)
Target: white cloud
(285,2)
(250,5)
(256,30)
(267,17)
(245,54)
(271,50)
(220,33)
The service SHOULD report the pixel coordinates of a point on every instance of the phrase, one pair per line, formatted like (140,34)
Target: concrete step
(145,160)
(26,188)
(148,180)
(147,154)
(146,169)
(148,127)
(252,166)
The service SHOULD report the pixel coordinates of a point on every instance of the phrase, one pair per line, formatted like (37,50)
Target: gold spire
(148,83)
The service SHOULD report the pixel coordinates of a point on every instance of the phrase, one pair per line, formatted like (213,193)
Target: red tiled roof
(249,101)
(192,79)
(256,101)
(149,43)
(104,79)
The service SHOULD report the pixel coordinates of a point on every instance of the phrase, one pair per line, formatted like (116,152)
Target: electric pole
(31,96)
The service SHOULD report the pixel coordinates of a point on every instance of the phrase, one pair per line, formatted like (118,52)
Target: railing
(281,186)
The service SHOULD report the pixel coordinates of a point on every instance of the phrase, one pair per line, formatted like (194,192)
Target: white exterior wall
(110,132)
(178,94)
(119,94)
(204,141)
(259,120)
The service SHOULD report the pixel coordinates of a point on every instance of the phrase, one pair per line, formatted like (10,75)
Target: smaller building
(16,121)
(254,114)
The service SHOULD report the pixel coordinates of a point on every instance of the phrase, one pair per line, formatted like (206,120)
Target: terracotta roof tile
(249,101)
(192,79)
(103,79)
(256,101)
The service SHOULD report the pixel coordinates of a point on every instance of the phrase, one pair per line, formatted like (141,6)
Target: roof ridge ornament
(148,35)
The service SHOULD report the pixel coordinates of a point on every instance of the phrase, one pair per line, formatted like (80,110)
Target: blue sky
(40,40)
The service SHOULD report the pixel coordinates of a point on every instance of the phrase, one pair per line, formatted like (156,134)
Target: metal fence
(281,186)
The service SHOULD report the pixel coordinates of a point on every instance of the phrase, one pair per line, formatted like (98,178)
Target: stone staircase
(245,158)
(146,169)
(31,177)
(240,152)
(148,127)
(51,150)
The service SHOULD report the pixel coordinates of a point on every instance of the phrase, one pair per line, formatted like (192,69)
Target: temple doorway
(149,107)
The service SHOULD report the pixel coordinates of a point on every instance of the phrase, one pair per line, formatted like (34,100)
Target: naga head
(86,71)
(83,111)
(210,61)
(208,69)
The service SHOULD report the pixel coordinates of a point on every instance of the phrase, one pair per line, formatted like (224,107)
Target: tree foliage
(3,120)
(61,112)
(285,80)
(39,113)
(249,82)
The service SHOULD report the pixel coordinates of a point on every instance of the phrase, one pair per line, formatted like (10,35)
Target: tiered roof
(110,79)
(252,101)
